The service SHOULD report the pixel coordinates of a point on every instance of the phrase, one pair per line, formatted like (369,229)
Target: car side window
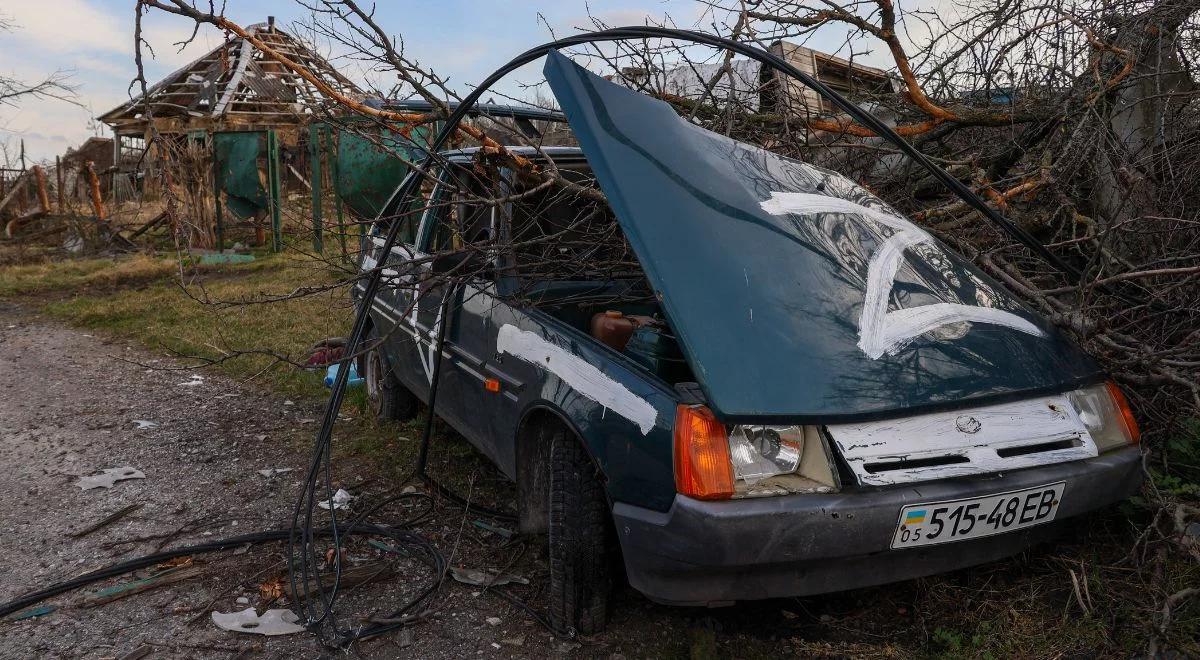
(460,219)
(417,206)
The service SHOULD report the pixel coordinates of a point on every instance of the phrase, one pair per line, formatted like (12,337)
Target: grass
(245,338)
(45,276)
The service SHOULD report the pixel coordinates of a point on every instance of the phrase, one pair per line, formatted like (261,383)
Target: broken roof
(236,80)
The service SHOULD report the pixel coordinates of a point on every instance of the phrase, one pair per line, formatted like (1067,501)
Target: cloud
(94,44)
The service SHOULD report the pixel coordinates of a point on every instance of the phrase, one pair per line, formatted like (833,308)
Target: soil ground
(69,407)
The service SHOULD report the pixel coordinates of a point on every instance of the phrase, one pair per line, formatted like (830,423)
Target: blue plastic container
(331,374)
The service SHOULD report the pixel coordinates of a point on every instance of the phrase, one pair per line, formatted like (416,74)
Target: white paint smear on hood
(582,376)
(882,332)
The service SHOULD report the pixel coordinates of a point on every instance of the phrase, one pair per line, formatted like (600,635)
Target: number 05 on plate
(959,520)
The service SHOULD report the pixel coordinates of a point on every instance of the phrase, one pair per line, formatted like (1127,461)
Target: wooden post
(331,151)
(273,192)
(94,185)
(314,168)
(216,183)
(58,179)
(39,179)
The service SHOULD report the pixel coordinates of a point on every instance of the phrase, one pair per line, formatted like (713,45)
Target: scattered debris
(138,653)
(158,579)
(271,472)
(272,590)
(480,578)
(145,424)
(33,613)
(341,500)
(500,531)
(242,600)
(225,258)
(354,380)
(107,520)
(108,477)
(326,351)
(272,622)
(380,545)
(493,620)
(514,641)
(351,577)
(197,379)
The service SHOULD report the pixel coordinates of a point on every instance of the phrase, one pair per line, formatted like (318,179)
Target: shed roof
(237,79)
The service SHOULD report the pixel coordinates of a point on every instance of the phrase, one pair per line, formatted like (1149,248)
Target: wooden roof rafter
(237,79)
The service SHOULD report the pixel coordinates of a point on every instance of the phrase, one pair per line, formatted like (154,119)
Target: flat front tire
(579,547)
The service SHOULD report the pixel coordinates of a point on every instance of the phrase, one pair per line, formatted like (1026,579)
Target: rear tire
(579,548)
(388,399)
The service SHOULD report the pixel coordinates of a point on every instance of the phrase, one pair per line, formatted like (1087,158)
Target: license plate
(959,520)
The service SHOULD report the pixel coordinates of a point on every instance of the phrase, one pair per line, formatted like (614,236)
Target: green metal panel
(235,159)
(370,164)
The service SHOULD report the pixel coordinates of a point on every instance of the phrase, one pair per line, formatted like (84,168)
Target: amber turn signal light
(1131,427)
(492,385)
(702,466)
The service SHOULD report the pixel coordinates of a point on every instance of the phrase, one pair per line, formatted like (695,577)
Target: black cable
(436,376)
(230,543)
(302,530)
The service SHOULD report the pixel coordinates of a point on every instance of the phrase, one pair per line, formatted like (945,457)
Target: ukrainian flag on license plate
(914,517)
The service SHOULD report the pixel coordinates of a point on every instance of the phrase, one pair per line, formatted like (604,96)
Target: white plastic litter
(145,424)
(272,622)
(197,379)
(478,578)
(270,472)
(341,500)
(108,477)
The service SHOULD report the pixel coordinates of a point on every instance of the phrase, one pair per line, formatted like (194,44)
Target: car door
(389,311)
(463,306)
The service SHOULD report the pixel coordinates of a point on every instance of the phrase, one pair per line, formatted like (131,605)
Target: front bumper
(710,553)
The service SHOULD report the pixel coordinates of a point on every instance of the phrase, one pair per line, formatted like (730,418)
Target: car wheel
(579,548)
(389,400)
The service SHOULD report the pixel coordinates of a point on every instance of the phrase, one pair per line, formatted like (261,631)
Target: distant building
(757,89)
(98,151)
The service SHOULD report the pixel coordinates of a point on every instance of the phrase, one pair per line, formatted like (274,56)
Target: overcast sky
(93,41)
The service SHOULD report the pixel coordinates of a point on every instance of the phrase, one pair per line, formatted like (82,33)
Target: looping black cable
(303,554)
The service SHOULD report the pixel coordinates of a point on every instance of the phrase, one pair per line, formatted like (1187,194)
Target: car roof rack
(493,110)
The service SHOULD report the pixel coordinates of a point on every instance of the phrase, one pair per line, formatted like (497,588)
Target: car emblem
(968,424)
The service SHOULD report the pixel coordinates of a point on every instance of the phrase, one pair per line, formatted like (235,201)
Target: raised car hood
(796,294)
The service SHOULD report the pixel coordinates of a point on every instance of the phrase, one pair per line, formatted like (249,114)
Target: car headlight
(758,452)
(714,462)
(1105,413)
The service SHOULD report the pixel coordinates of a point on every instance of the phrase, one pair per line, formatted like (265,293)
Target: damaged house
(233,88)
